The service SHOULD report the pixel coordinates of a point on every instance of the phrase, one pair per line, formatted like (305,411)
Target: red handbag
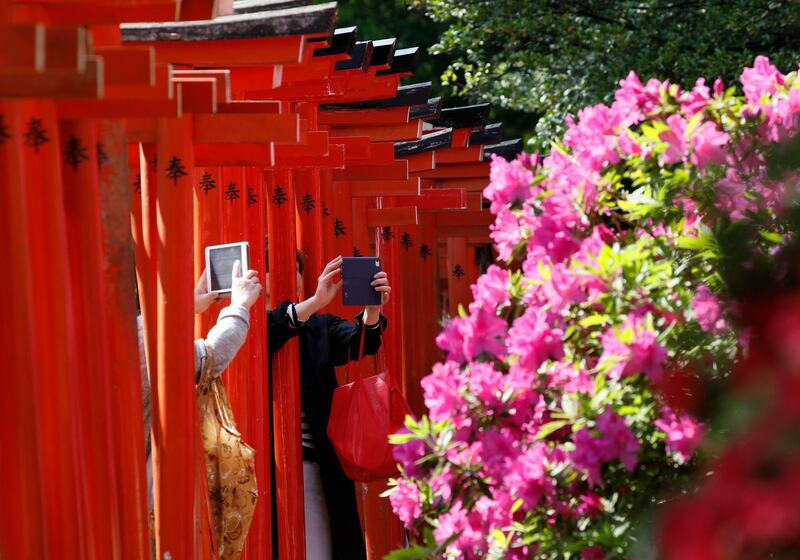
(364,414)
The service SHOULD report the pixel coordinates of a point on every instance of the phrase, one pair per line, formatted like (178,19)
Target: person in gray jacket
(225,339)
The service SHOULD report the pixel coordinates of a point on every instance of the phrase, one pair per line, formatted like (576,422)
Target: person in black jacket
(333,530)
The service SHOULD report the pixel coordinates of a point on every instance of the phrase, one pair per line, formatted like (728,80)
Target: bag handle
(348,373)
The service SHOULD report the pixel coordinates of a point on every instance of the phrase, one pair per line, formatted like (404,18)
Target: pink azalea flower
(407,454)
(708,143)
(570,378)
(631,349)
(719,88)
(471,541)
(533,340)
(616,440)
(594,137)
(762,78)
(692,102)
(593,553)
(707,311)
(684,433)
(405,502)
(452,341)
(731,197)
(483,332)
(509,181)
(491,289)
(486,383)
(634,100)
(675,139)
(506,233)
(586,457)
(442,485)
(442,391)
(526,477)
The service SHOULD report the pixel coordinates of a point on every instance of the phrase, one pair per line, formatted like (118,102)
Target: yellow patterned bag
(230,466)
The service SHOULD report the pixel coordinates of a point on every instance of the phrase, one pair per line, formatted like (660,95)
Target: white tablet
(219,264)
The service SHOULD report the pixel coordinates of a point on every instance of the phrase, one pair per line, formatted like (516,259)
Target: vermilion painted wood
(421,162)
(22,519)
(55,351)
(459,155)
(231,53)
(177,415)
(309,227)
(100,13)
(397,216)
(316,145)
(285,373)
(128,66)
(231,128)
(59,83)
(396,171)
(216,155)
(391,133)
(256,78)
(24,47)
(466,218)
(86,260)
(118,108)
(436,199)
(461,137)
(430,313)
(261,107)
(475,184)
(464,170)
(196,95)
(161,89)
(356,147)
(457,280)
(391,116)
(334,159)
(259,540)
(466,231)
(408,187)
(379,153)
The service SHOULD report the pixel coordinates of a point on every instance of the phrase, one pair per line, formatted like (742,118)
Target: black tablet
(357,275)
(219,264)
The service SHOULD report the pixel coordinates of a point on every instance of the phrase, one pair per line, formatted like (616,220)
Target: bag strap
(350,366)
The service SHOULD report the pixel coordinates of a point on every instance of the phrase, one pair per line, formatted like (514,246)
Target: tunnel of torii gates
(126,148)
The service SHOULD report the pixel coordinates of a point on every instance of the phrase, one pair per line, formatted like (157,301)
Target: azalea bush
(567,401)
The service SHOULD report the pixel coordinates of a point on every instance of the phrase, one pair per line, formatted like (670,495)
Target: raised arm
(227,336)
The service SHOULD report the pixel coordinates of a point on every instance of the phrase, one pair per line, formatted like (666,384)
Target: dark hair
(301,259)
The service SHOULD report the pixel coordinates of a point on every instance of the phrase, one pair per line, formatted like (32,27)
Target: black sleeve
(345,338)
(279,332)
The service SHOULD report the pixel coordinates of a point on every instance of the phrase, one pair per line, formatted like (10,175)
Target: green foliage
(552,57)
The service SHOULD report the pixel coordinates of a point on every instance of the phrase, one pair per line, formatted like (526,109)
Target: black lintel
(342,41)
(383,52)
(490,134)
(429,142)
(360,55)
(469,116)
(402,63)
(508,149)
(304,20)
(429,110)
(414,94)
(250,6)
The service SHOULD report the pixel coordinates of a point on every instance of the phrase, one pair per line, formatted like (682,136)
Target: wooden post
(175,446)
(23,516)
(285,370)
(86,260)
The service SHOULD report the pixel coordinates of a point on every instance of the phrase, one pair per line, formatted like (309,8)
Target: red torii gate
(239,118)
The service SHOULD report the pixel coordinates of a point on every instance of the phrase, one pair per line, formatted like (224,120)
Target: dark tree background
(543,59)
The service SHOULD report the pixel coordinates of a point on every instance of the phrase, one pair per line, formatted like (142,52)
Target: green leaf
(771,236)
(594,320)
(550,428)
